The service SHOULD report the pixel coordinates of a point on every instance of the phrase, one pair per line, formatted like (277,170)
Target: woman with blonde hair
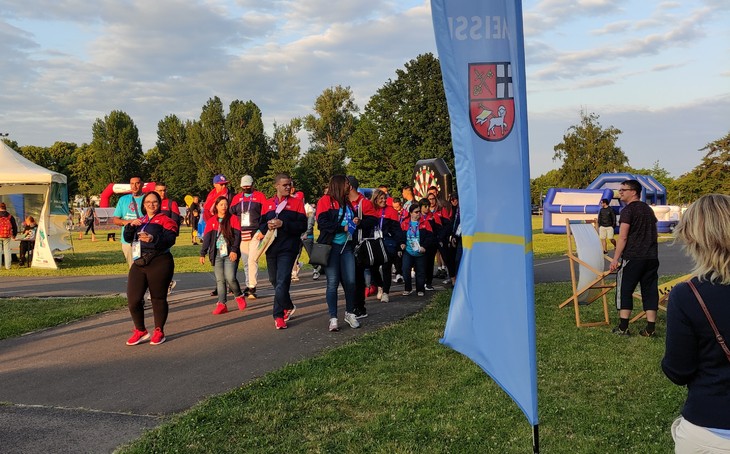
(698,311)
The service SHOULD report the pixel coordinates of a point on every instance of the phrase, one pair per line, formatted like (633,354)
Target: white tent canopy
(29,189)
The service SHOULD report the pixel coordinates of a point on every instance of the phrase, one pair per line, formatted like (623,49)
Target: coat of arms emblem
(491,100)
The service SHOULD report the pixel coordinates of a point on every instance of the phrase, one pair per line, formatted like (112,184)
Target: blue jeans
(419,263)
(225,273)
(279,266)
(340,270)
(5,243)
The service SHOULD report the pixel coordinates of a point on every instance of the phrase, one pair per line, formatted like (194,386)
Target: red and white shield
(491,100)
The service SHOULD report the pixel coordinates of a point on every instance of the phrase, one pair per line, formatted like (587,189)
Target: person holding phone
(150,238)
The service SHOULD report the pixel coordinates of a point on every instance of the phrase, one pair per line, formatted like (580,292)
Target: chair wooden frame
(598,285)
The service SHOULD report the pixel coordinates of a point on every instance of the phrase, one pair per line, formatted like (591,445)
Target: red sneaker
(372,290)
(241,300)
(289,312)
(158,337)
(220,308)
(138,337)
(280,323)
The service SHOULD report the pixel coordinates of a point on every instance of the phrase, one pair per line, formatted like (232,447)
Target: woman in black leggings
(151,237)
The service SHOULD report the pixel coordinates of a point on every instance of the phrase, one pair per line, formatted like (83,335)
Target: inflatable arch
(120,188)
(576,204)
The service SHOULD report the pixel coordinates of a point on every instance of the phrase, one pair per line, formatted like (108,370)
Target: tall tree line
(406,120)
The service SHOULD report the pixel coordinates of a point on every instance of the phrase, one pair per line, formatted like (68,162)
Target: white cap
(246,180)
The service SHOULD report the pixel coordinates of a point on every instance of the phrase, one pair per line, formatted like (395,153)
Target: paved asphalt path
(78,388)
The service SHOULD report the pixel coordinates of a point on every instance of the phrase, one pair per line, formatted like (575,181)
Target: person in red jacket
(364,223)
(418,237)
(220,188)
(388,227)
(151,237)
(247,205)
(285,216)
(170,209)
(222,241)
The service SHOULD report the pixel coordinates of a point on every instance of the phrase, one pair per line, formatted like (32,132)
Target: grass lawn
(24,315)
(88,258)
(399,391)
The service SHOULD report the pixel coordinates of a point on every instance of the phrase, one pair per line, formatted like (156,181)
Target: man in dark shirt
(637,257)
(606,224)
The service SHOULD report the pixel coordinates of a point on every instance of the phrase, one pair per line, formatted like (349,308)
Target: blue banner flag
(492,316)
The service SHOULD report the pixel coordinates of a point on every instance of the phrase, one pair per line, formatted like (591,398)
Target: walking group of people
(240,227)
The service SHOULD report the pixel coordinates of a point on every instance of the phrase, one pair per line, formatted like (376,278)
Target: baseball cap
(246,180)
(219,179)
(353,182)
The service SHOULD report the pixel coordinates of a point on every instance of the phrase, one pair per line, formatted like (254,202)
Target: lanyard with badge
(245,215)
(221,242)
(136,244)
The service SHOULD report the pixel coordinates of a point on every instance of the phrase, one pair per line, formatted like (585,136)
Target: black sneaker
(250,293)
(621,332)
(429,288)
(646,333)
(360,313)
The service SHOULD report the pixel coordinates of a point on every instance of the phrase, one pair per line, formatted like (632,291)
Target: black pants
(430,257)
(644,272)
(156,277)
(90,227)
(381,275)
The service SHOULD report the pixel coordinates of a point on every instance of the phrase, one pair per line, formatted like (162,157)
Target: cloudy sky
(657,70)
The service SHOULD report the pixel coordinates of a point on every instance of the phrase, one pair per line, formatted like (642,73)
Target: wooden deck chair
(664,290)
(589,282)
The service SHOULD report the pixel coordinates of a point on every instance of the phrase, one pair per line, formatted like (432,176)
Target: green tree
(540,185)
(207,140)
(588,150)
(117,150)
(83,169)
(712,175)
(405,121)
(330,127)
(247,150)
(285,150)
(174,165)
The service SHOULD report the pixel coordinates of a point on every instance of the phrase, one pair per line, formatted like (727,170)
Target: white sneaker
(172,286)
(420,294)
(351,320)
(380,293)
(407,292)
(398,279)
(385,298)
(333,324)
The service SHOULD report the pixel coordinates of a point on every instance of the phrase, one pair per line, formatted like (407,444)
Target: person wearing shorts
(606,224)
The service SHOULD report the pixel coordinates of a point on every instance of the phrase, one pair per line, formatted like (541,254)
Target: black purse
(320,254)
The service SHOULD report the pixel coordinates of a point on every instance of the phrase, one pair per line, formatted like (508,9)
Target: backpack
(6,228)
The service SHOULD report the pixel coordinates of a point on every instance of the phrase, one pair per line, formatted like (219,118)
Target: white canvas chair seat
(586,254)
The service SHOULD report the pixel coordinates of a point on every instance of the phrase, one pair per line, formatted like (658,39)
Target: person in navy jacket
(247,205)
(286,216)
(222,243)
(418,237)
(693,356)
(151,237)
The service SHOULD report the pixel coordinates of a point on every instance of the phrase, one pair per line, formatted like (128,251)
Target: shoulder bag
(370,251)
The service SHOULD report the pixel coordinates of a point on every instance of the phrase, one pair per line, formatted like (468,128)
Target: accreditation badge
(246,219)
(136,250)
